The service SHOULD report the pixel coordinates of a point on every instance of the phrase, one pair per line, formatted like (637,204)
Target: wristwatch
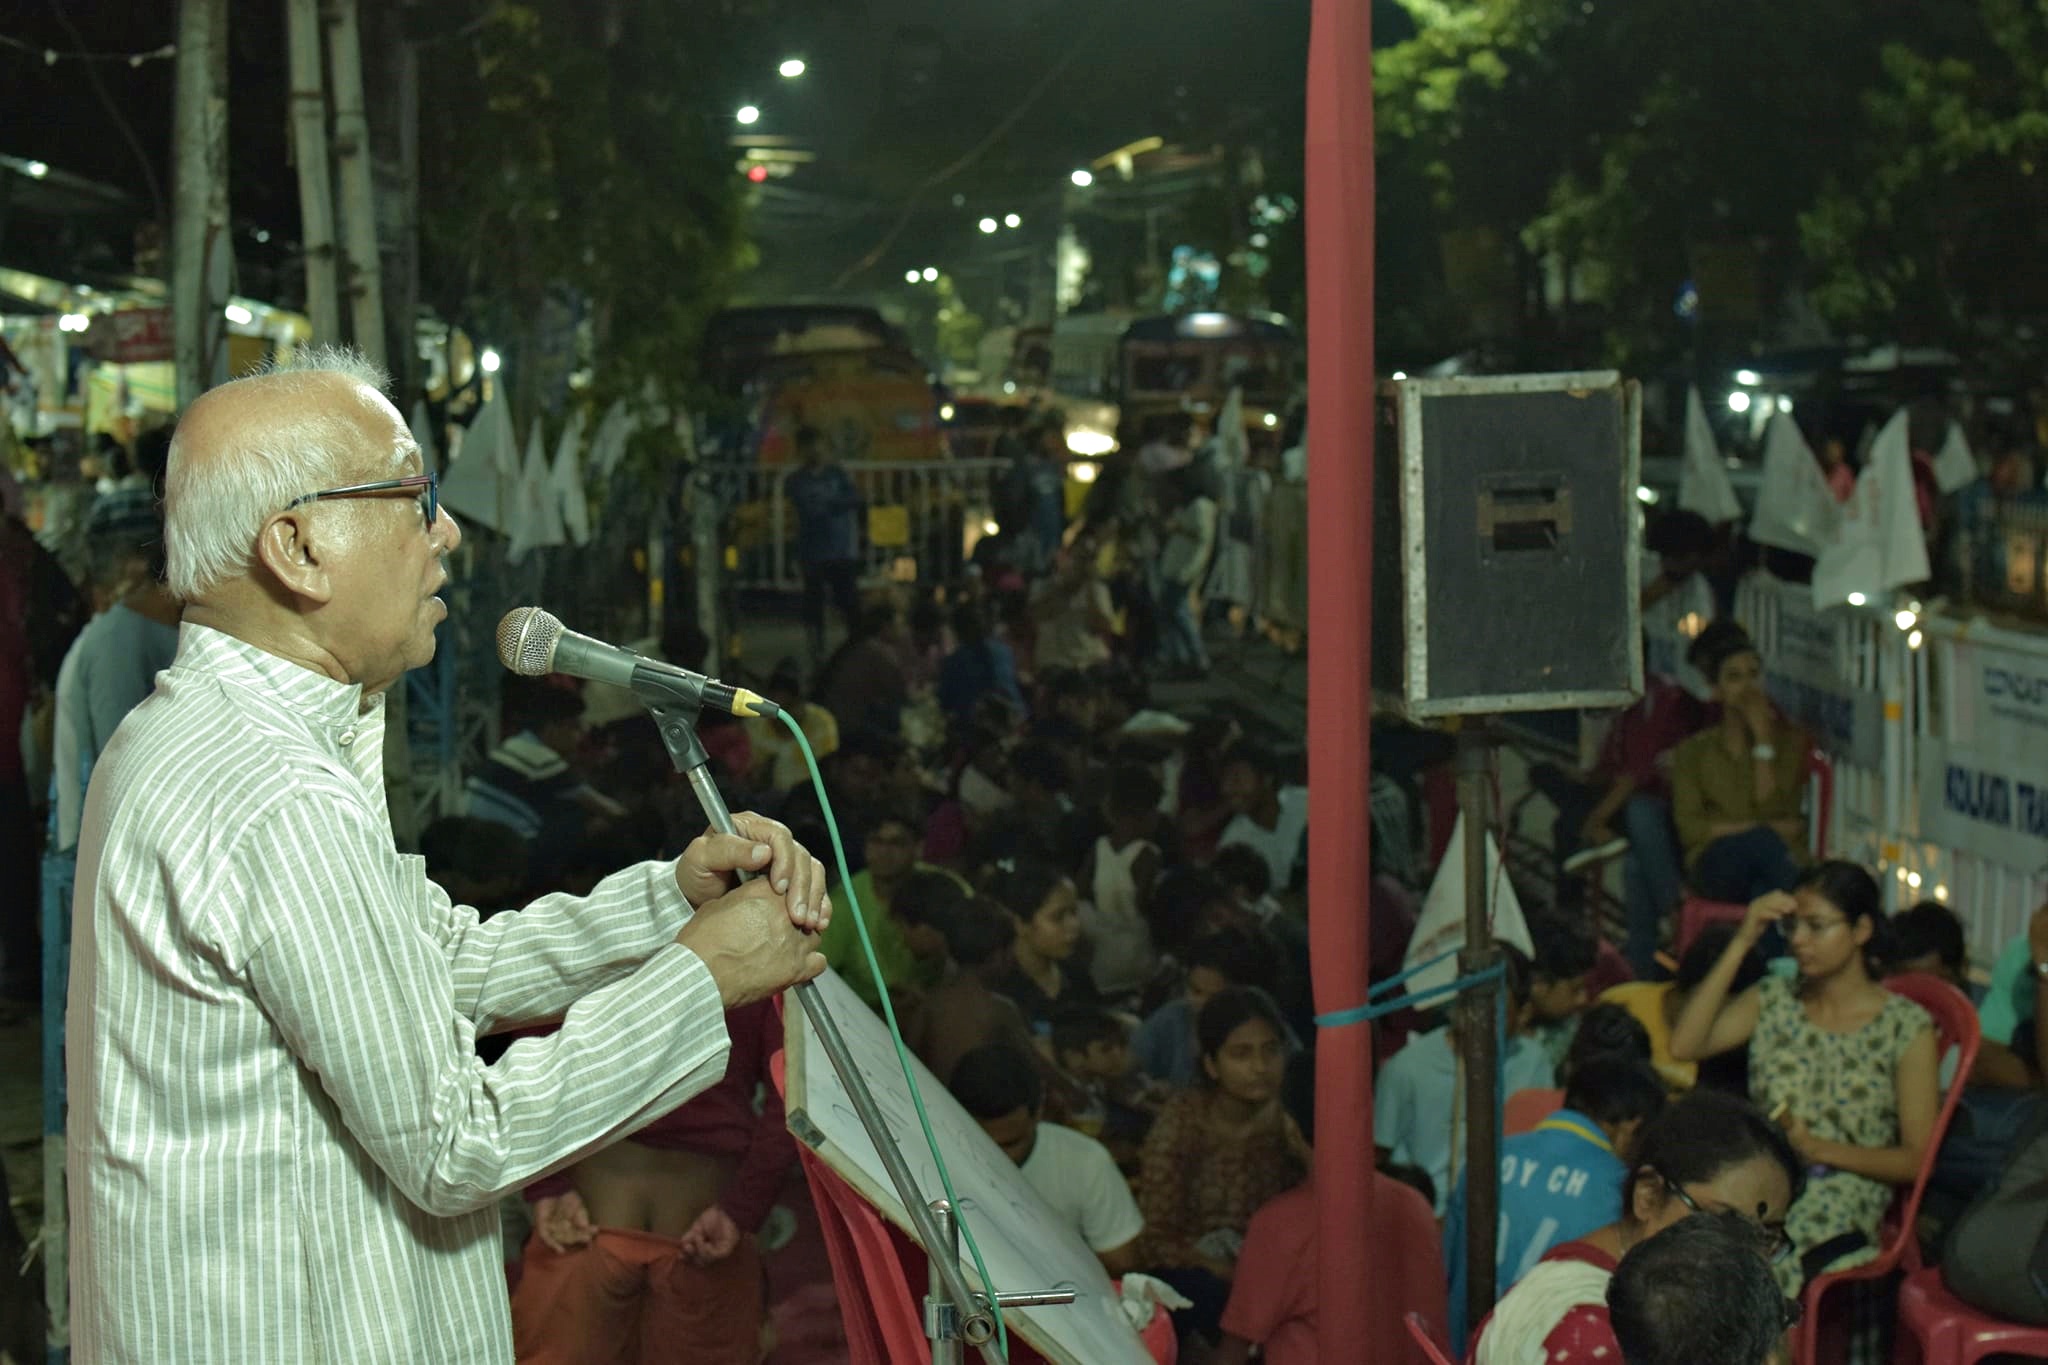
(1763,753)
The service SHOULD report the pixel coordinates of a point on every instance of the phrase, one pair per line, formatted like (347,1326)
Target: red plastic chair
(1695,913)
(1955,1025)
(1950,1332)
(1418,1328)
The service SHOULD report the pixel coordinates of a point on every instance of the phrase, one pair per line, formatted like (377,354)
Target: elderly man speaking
(283,1145)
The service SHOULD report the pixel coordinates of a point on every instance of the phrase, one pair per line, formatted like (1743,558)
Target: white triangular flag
(566,478)
(1233,451)
(609,444)
(540,518)
(1703,485)
(1955,467)
(1441,925)
(477,486)
(1880,544)
(1794,509)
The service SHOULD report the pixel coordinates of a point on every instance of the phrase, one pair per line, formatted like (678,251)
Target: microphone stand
(968,1317)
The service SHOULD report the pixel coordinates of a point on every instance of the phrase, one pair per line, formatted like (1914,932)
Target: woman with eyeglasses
(1847,1067)
(1706,1153)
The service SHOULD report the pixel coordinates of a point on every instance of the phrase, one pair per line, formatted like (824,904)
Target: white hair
(215,507)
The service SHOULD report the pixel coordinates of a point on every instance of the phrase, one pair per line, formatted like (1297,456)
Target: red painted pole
(1341,376)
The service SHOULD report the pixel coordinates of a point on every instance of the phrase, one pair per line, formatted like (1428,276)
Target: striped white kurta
(283,1147)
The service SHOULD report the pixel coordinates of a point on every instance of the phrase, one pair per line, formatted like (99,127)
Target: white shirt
(283,1146)
(1079,1181)
(1280,845)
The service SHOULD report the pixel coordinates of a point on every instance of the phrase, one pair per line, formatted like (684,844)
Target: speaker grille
(526,641)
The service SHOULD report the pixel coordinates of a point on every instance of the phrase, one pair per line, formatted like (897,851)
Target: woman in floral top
(1845,1065)
(1218,1152)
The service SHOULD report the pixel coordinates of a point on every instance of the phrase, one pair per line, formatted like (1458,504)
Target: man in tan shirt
(1737,787)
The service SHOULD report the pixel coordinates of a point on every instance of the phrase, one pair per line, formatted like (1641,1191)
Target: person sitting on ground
(963,1011)
(1117,1102)
(778,760)
(1698,1294)
(863,684)
(1076,617)
(1562,1180)
(648,1244)
(1217,1153)
(1047,912)
(891,846)
(980,665)
(529,781)
(1847,1066)
(1929,938)
(480,863)
(1032,822)
(1120,873)
(1565,951)
(1268,817)
(1416,1115)
(1605,1031)
(1737,787)
(1706,1153)
(1657,1004)
(1167,1045)
(1274,1297)
(1072,1172)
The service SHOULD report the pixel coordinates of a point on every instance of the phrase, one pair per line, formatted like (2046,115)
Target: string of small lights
(52,56)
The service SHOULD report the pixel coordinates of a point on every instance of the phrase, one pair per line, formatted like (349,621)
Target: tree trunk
(364,279)
(316,177)
(201,250)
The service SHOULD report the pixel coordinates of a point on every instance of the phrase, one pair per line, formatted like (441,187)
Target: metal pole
(316,177)
(939,1323)
(358,198)
(1478,1044)
(199,198)
(977,1327)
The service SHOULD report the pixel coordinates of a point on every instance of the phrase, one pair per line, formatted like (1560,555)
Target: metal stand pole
(941,1322)
(1478,1044)
(976,1325)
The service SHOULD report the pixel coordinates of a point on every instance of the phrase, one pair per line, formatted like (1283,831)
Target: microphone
(532,643)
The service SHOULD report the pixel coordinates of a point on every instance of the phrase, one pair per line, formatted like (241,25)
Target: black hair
(685,644)
(1565,947)
(975,929)
(1706,950)
(1607,1032)
(1021,885)
(1078,1027)
(885,749)
(1697,1293)
(874,618)
(1679,531)
(888,813)
(1241,958)
(531,703)
(1298,1092)
(1851,889)
(970,624)
(1257,757)
(1132,789)
(1611,1090)
(925,895)
(1930,927)
(1515,974)
(1036,761)
(1172,911)
(1716,645)
(1243,867)
(994,1081)
(808,438)
(1229,1010)
(1703,1134)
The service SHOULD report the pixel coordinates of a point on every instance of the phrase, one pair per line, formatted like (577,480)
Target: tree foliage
(575,171)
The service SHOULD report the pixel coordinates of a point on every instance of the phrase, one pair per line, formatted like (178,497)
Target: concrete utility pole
(316,176)
(365,276)
(201,252)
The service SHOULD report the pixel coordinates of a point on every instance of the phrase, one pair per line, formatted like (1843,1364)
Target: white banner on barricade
(1808,673)
(1999,700)
(1993,803)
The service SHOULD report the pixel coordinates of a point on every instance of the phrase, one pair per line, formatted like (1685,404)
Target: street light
(988,225)
(931,274)
(489,361)
(792,68)
(36,169)
(1011,220)
(748,114)
(1082,179)
(911,277)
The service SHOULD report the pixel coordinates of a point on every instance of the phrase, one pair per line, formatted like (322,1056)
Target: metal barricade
(921,519)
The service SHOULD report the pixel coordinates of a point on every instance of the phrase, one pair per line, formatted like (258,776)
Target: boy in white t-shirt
(1071,1171)
(1269,818)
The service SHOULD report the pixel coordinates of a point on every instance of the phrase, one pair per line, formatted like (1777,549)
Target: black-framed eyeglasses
(1776,1245)
(429,486)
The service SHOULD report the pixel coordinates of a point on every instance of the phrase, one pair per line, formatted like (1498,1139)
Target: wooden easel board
(1025,1245)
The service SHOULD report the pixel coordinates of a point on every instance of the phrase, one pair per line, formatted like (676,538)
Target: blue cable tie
(1378,990)
(1362,1014)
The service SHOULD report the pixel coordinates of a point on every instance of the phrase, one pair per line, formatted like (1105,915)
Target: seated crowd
(1089,919)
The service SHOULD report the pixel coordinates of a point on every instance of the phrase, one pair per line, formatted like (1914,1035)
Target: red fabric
(1340,234)
(1527,1108)
(629,1298)
(721,1122)
(1339,231)
(1640,741)
(1610,968)
(1583,1334)
(1273,1300)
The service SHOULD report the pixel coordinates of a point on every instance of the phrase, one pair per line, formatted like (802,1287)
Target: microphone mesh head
(526,641)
